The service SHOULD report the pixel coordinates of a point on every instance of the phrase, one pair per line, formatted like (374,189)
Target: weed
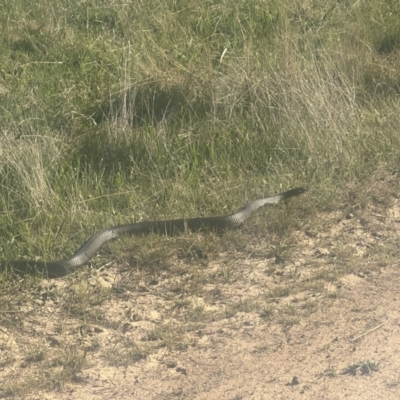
(364,367)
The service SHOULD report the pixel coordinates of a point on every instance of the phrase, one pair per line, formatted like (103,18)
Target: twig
(369,331)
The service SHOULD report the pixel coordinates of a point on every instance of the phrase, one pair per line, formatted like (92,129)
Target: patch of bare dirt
(321,321)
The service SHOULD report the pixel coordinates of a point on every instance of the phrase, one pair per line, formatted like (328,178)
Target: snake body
(91,246)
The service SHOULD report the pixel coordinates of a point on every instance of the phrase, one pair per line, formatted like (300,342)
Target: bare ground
(311,314)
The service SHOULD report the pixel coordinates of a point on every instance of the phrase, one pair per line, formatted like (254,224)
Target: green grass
(114,112)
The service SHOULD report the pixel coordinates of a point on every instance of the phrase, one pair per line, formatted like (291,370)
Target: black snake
(90,247)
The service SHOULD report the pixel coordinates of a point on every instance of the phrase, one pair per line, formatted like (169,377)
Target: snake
(88,250)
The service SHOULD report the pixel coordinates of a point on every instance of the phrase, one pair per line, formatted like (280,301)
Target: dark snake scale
(55,269)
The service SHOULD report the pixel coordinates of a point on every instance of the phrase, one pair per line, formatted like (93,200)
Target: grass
(364,367)
(114,112)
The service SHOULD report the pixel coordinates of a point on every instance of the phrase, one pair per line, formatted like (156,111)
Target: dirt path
(323,323)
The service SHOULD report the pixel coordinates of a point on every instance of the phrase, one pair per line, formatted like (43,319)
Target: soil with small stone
(321,321)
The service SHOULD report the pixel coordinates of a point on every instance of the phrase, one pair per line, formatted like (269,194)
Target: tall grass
(114,111)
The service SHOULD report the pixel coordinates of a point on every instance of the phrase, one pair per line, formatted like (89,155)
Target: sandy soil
(334,334)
